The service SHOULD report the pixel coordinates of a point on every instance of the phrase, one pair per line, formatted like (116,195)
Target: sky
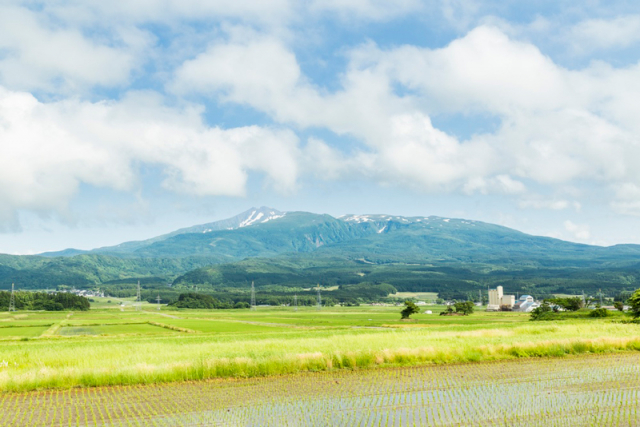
(123,120)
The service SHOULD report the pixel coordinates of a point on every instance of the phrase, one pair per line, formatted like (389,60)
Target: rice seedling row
(595,390)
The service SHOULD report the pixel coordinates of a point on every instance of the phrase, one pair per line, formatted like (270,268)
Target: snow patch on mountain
(272,217)
(356,218)
(259,217)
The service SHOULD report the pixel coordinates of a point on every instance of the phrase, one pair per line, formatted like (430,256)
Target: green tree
(618,305)
(242,304)
(447,311)
(569,304)
(541,313)
(409,309)
(634,304)
(465,308)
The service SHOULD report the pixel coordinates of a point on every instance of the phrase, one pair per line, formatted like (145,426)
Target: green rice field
(359,366)
(106,347)
(596,390)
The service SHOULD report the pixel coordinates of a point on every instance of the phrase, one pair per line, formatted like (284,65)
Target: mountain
(267,232)
(285,248)
(245,219)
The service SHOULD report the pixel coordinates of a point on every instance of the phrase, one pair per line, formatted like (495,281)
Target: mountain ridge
(303,246)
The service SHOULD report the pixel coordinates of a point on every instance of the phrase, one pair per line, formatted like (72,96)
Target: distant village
(80,292)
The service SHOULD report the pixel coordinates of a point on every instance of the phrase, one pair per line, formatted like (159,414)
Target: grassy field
(112,347)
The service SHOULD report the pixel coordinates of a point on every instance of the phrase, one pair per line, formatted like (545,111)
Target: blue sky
(124,120)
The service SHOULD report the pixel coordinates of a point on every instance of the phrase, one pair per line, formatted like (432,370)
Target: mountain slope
(247,218)
(345,245)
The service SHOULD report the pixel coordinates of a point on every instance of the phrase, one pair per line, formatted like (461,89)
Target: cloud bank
(90,91)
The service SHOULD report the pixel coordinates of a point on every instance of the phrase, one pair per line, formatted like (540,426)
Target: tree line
(44,301)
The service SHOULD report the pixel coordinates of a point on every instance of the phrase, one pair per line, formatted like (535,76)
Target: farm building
(497,300)
(525,303)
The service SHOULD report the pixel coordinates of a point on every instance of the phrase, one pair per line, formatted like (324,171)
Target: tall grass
(99,361)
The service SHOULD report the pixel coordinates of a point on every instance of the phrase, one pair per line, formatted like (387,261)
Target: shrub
(599,312)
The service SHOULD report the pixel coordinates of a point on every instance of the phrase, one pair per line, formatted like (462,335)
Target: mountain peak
(258,216)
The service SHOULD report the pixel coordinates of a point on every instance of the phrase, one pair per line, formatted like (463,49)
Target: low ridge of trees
(461,309)
(569,303)
(199,301)
(44,301)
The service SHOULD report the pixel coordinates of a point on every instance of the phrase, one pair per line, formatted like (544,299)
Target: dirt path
(162,314)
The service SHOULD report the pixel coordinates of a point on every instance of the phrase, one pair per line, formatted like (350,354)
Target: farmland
(113,347)
(588,390)
(51,358)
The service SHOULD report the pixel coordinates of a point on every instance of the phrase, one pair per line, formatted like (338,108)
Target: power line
(319,306)
(253,296)
(12,300)
(138,299)
(158,299)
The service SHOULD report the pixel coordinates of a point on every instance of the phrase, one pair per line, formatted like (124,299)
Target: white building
(497,299)
(526,304)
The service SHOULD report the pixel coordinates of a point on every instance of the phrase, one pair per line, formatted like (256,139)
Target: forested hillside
(299,249)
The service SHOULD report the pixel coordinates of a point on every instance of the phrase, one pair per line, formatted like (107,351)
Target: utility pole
(295,302)
(158,299)
(319,306)
(138,299)
(253,296)
(12,300)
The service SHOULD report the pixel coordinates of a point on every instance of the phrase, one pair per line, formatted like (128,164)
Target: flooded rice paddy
(601,390)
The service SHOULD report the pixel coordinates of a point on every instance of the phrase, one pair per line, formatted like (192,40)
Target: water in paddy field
(578,391)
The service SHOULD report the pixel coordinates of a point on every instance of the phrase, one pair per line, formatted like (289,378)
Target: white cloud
(578,232)
(71,46)
(558,126)
(367,9)
(48,149)
(402,146)
(500,184)
(168,11)
(39,54)
(555,204)
(460,13)
(600,34)
(627,198)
